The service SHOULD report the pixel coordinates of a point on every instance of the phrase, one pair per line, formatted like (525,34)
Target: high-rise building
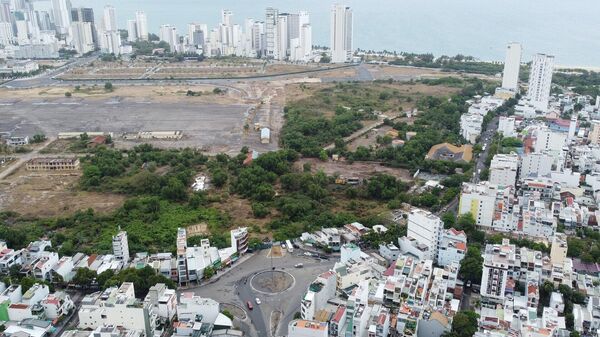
(132,33)
(83,14)
(5,13)
(110,42)
(142,25)
(281,44)
(120,246)
(540,81)
(512,67)
(7,35)
(227,17)
(62,15)
(425,228)
(271,32)
(168,34)
(82,37)
(341,34)
(503,169)
(110,19)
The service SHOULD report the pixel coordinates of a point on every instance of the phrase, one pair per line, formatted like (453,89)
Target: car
(308,253)
(257,300)
(249,305)
(299,265)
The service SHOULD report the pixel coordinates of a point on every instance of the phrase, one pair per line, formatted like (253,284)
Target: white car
(257,300)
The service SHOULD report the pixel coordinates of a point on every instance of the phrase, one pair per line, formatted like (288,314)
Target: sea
(567,29)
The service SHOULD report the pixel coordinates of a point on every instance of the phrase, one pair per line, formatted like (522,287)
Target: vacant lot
(50,194)
(161,69)
(361,170)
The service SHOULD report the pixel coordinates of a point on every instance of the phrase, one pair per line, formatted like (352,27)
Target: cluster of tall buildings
(28,32)
(281,36)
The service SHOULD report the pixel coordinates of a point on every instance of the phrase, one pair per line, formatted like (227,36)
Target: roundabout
(272,282)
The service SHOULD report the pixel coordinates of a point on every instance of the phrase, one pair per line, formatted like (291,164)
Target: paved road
(486,140)
(22,159)
(234,287)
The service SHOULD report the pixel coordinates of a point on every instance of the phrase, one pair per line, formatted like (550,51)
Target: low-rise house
(449,152)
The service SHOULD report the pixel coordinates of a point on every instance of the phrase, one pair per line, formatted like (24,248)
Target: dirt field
(361,170)
(147,94)
(45,194)
(160,69)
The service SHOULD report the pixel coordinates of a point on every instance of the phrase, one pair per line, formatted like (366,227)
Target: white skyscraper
(62,15)
(110,42)
(341,34)
(82,37)
(110,19)
(271,32)
(142,25)
(227,17)
(132,32)
(540,81)
(281,43)
(7,35)
(168,34)
(512,66)
(121,246)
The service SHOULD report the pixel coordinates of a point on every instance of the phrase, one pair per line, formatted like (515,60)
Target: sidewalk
(220,274)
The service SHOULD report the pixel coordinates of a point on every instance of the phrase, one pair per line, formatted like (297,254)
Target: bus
(289,245)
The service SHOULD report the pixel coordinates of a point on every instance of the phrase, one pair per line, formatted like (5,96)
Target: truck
(289,245)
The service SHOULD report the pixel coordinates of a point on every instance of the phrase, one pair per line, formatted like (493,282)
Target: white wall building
(548,140)
(82,37)
(540,81)
(341,33)
(470,126)
(119,307)
(142,25)
(319,292)
(62,15)
(512,67)
(121,246)
(503,170)
(425,227)
(452,247)
(110,18)
(168,34)
(479,200)
(506,126)
(536,164)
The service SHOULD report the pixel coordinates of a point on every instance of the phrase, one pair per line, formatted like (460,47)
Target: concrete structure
(449,152)
(548,140)
(239,239)
(168,34)
(182,268)
(512,67)
(540,81)
(496,266)
(506,126)
(304,328)
(536,164)
(141,25)
(479,200)
(119,307)
(319,292)
(471,126)
(52,164)
(62,15)
(425,228)
(164,301)
(341,34)
(120,246)
(503,170)
(82,37)
(452,247)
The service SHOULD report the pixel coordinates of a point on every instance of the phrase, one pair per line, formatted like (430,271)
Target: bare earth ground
(50,194)
(361,170)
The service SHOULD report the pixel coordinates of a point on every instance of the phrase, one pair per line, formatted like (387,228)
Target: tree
(471,266)
(38,138)
(227,313)
(108,86)
(84,277)
(449,220)
(464,323)
(68,94)
(209,272)
(219,177)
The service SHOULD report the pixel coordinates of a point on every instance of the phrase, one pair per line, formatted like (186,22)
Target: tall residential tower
(540,81)
(341,34)
(512,66)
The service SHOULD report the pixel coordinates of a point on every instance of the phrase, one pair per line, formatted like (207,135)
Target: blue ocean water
(570,30)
